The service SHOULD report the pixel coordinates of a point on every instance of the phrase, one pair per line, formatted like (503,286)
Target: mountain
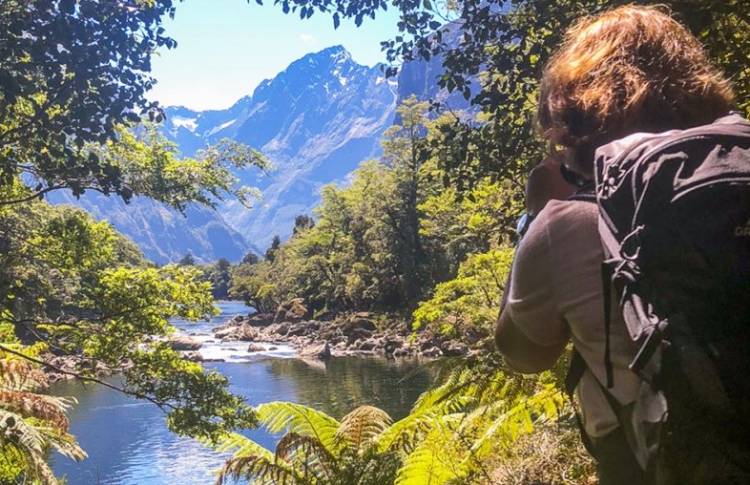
(163,234)
(316,121)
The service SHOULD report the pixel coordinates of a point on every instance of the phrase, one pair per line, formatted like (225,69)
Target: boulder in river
(318,351)
(359,321)
(243,333)
(358,334)
(256,348)
(184,342)
(192,356)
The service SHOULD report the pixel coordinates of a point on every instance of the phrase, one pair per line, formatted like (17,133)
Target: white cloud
(308,39)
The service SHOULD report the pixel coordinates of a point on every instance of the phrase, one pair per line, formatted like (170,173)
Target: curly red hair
(629,69)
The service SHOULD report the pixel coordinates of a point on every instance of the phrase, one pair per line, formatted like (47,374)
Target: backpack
(674,220)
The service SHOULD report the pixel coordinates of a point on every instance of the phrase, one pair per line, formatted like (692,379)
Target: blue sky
(226,47)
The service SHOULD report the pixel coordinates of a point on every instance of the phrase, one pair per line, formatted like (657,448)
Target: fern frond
(240,446)
(362,425)
(279,417)
(259,470)
(307,454)
(14,429)
(520,419)
(29,404)
(437,459)
(405,433)
(18,375)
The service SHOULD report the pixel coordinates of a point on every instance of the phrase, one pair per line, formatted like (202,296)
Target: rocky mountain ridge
(316,121)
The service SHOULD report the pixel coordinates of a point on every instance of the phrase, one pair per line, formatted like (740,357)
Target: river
(128,442)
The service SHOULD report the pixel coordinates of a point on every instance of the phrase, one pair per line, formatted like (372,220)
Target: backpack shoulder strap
(575,373)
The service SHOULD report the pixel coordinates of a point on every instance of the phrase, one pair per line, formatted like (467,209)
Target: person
(628,70)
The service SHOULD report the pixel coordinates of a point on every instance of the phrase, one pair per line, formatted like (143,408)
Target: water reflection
(128,443)
(347,382)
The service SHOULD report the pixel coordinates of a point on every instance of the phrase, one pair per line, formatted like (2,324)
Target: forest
(424,235)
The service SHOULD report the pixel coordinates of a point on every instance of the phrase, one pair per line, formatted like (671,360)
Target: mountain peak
(334,51)
(336,54)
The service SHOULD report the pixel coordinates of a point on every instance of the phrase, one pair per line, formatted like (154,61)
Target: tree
(273,248)
(72,71)
(67,284)
(253,283)
(187,260)
(303,222)
(250,258)
(218,274)
(471,301)
(403,150)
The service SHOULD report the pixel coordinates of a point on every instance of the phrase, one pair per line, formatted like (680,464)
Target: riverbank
(292,333)
(350,334)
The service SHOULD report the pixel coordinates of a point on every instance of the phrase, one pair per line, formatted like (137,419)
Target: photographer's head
(627,70)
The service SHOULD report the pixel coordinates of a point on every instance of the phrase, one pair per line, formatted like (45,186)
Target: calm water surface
(127,440)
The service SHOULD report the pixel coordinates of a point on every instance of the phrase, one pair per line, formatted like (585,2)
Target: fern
(279,417)
(433,461)
(32,423)
(361,426)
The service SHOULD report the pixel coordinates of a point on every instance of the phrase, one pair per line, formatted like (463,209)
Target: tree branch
(160,404)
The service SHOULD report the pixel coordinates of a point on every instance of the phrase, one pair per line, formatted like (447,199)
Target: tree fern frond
(279,417)
(29,404)
(454,383)
(436,460)
(520,419)
(306,453)
(240,446)
(260,471)
(42,471)
(18,375)
(14,429)
(403,434)
(362,425)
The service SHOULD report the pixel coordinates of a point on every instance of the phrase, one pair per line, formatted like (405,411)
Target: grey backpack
(675,226)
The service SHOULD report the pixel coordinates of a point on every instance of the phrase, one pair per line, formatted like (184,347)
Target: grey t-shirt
(556,293)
